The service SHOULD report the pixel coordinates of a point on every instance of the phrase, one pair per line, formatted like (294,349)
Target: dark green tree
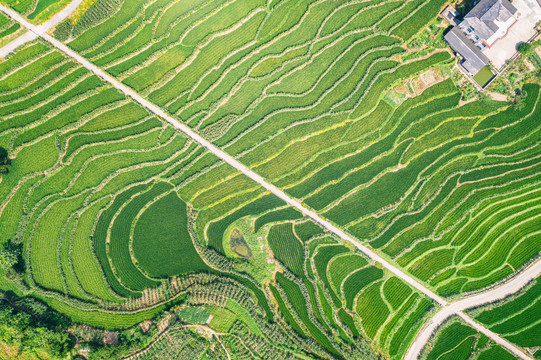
(524,48)
(520,99)
(4,160)
(7,260)
(24,332)
(11,257)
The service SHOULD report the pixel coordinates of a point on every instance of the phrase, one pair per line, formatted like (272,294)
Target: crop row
(387,309)
(85,178)
(456,340)
(516,318)
(287,248)
(119,240)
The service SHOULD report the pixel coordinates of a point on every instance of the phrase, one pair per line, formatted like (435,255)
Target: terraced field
(459,341)
(102,160)
(516,318)
(8,29)
(37,11)
(265,84)
(122,217)
(106,170)
(363,298)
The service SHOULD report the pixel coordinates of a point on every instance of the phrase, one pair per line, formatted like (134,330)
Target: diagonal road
(218,152)
(257,178)
(458,307)
(43,28)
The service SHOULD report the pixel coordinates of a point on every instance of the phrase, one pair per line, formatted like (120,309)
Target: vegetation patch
(193,315)
(258,265)
(238,245)
(456,340)
(483,77)
(5,161)
(161,233)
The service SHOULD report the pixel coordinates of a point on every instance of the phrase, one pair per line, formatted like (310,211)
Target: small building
(475,38)
(488,22)
(450,15)
(472,59)
(491,33)
(482,27)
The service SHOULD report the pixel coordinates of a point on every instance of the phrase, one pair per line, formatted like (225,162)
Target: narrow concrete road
(457,307)
(60,16)
(239,166)
(16,43)
(41,29)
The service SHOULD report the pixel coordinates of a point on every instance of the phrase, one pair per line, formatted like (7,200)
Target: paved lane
(41,29)
(457,307)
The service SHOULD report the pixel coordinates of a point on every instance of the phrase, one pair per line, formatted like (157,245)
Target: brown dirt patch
(529,65)
(10,352)
(145,326)
(538,50)
(110,338)
(497,96)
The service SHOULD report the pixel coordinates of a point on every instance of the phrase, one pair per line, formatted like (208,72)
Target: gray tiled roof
(481,28)
(511,8)
(474,60)
(482,16)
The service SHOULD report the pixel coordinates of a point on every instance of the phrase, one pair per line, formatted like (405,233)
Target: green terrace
(119,217)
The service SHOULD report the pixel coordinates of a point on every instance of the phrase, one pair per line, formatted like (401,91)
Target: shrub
(524,48)
(4,161)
